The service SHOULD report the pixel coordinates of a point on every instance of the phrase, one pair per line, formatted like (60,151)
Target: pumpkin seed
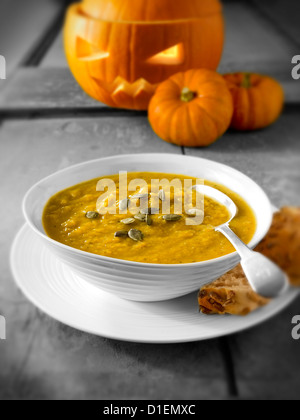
(148,220)
(92,215)
(194,212)
(127,221)
(124,204)
(150,211)
(140,217)
(162,195)
(136,235)
(121,234)
(139,196)
(172,217)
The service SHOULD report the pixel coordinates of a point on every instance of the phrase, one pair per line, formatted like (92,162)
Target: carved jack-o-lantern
(119,50)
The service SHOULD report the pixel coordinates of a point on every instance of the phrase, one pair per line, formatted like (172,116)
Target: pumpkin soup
(140,229)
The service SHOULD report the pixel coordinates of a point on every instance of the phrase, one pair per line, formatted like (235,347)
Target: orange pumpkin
(258,100)
(191,109)
(120,50)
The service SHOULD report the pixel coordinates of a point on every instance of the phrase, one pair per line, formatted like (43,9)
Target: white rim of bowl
(224,258)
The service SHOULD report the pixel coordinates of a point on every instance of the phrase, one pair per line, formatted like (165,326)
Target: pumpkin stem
(246,83)
(187,95)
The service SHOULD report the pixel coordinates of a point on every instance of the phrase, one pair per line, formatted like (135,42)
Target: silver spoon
(265,277)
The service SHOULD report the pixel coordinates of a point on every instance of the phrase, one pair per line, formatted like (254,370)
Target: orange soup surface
(72,217)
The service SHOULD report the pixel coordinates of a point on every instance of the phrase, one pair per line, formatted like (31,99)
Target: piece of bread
(232,294)
(282,243)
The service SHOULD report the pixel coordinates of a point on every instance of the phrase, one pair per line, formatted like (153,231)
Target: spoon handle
(243,250)
(265,277)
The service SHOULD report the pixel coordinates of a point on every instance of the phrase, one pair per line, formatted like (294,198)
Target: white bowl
(139,281)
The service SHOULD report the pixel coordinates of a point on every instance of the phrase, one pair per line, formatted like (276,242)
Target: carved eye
(89,52)
(171,57)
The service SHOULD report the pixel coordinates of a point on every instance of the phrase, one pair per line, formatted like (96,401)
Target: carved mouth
(126,94)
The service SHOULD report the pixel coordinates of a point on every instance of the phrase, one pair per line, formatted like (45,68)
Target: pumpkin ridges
(190,79)
(216,91)
(168,89)
(205,112)
(195,83)
(212,122)
(203,76)
(217,119)
(173,125)
(164,108)
(190,135)
(214,135)
(257,114)
(163,125)
(192,138)
(242,107)
(218,94)
(258,106)
(192,141)
(198,122)
(252,109)
(268,86)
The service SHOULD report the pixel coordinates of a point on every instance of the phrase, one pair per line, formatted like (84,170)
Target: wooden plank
(82,366)
(31,18)
(43,89)
(266,359)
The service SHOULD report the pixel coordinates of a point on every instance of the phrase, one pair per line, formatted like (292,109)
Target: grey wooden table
(47,123)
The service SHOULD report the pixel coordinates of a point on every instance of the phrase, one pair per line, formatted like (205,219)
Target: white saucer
(55,290)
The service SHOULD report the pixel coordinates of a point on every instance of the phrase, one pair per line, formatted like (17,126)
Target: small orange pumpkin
(258,100)
(191,109)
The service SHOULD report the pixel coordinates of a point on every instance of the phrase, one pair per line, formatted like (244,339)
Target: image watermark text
(2,68)
(2,328)
(296,329)
(296,69)
(158,196)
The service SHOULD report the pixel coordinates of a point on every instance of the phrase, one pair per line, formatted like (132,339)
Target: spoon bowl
(265,277)
(219,197)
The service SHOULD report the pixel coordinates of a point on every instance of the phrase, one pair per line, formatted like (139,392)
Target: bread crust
(232,293)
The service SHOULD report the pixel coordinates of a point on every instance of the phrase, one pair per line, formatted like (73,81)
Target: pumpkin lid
(149,10)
